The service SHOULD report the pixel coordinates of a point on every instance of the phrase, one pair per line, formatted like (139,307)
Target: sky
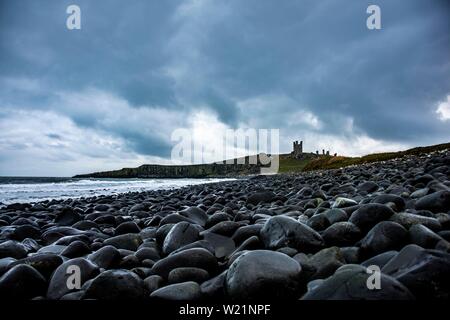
(111,94)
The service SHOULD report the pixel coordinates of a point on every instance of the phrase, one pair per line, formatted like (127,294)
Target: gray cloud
(138,70)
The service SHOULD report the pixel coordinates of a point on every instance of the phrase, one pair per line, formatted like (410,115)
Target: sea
(35,189)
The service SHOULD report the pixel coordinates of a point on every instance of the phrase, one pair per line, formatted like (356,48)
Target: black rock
(196,257)
(385,236)
(67,216)
(318,222)
(263,274)
(12,249)
(22,282)
(58,283)
(326,261)
(245,232)
(341,234)
(185,291)
(423,237)
(127,227)
(391,198)
(282,231)
(436,202)
(181,234)
(350,283)
(129,241)
(407,220)
(115,285)
(426,273)
(368,187)
(147,253)
(195,214)
(369,215)
(215,287)
(105,257)
(76,249)
(260,197)
(380,260)
(44,263)
(178,275)
(26,231)
(336,215)
(153,282)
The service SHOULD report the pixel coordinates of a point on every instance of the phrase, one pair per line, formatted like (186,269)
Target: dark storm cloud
(313,57)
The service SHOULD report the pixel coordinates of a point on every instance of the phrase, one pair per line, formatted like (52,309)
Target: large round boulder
(263,274)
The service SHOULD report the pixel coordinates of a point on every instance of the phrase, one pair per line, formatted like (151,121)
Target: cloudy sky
(110,95)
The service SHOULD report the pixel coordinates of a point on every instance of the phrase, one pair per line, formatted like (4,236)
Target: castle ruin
(297,152)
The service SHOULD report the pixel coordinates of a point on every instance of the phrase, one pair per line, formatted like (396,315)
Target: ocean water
(32,189)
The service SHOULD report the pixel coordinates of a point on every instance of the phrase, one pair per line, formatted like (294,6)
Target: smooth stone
(342,202)
(380,260)
(350,283)
(22,282)
(318,222)
(26,231)
(216,218)
(175,218)
(127,227)
(85,225)
(341,234)
(129,241)
(407,220)
(53,248)
(223,246)
(180,235)
(184,274)
(185,291)
(196,257)
(197,244)
(261,197)
(385,236)
(5,264)
(195,214)
(245,232)
(436,202)
(13,249)
(67,217)
(105,257)
(58,282)
(352,255)
(326,262)
(44,263)
(76,249)
(153,283)
(225,228)
(147,253)
(423,237)
(255,273)
(390,198)
(425,272)
(214,288)
(283,231)
(336,215)
(368,186)
(115,285)
(368,215)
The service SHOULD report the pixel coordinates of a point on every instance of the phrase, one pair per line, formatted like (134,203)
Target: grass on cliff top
(330,162)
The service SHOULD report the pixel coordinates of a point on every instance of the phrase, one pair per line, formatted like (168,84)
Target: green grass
(329,162)
(292,165)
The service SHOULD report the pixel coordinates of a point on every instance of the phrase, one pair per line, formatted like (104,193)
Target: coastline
(311,231)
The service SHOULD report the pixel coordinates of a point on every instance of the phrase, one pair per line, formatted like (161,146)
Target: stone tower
(297,149)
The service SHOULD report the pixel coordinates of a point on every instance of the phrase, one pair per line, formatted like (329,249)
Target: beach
(322,234)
